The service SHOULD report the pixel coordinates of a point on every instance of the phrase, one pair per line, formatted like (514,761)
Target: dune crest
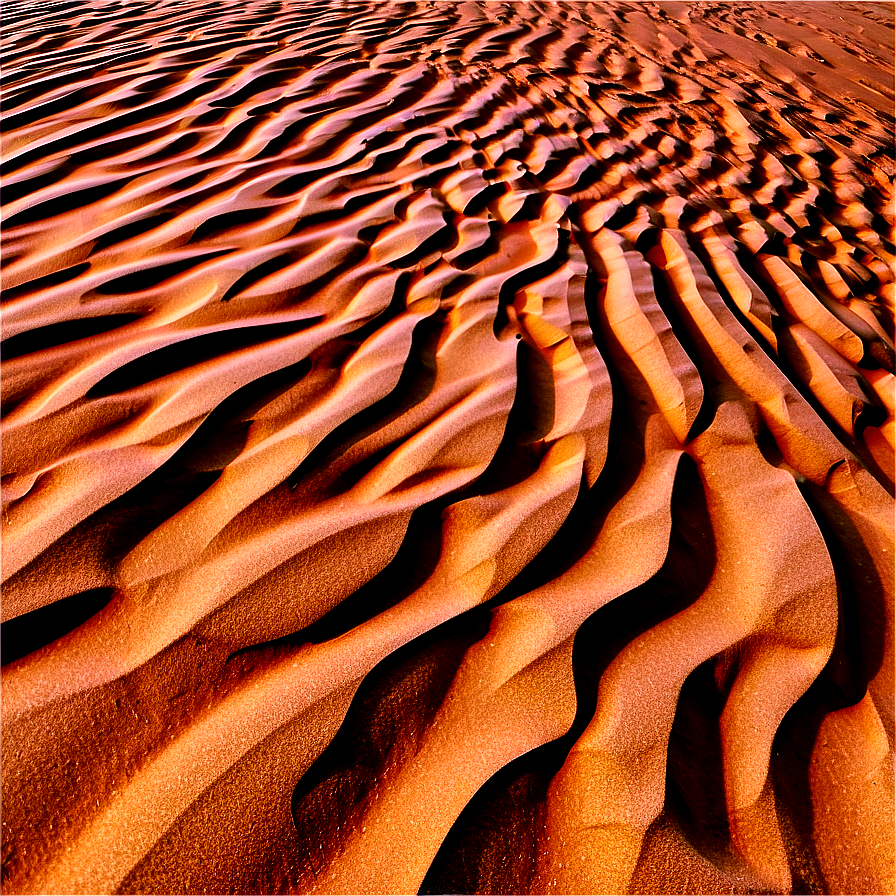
(448,447)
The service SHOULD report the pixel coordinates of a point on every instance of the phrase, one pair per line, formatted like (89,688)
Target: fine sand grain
(447,447)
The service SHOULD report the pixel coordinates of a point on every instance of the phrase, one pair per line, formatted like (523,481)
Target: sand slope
(447,447)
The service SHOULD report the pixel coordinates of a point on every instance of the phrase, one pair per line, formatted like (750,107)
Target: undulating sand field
(447,447)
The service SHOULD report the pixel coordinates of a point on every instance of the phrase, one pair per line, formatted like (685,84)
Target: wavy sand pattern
(448,447)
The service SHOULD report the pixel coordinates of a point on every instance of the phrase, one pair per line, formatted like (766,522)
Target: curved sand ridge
(448,447)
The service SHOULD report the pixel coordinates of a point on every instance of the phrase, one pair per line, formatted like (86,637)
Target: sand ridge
(447,447)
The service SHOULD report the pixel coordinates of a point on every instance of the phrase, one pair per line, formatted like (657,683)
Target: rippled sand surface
(447,447)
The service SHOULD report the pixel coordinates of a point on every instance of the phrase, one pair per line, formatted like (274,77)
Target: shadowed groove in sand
(447,447)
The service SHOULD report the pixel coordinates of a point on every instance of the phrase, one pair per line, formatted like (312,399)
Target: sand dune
(448,447)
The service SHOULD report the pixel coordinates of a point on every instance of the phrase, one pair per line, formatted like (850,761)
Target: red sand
(448,447)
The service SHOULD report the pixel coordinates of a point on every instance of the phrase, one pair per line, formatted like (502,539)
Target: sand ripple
(447,447)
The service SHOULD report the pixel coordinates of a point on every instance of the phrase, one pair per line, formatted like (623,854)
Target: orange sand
(448,447)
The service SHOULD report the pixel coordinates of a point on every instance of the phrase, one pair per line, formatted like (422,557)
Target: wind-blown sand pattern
(448,447)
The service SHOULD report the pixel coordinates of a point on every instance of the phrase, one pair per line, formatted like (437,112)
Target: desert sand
(447,447)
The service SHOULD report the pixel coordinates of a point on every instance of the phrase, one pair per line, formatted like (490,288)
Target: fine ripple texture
(447,447)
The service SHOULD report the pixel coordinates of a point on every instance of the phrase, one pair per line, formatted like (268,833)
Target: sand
(448,447)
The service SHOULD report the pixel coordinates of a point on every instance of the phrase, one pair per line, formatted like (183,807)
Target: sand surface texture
(447,447)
